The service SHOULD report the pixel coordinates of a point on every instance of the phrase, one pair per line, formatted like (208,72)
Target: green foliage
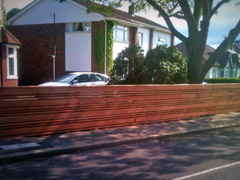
(222,80)
(12,13)
(4,17)
(110,41)
(165,65)
(99,50)
(127,67)
(161,65)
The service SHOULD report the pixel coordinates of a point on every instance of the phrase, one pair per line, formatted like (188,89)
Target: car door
(97,80)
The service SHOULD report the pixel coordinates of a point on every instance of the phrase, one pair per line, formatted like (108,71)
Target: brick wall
(0,65)
(133,36)
(5,82)
(35,64)
(151,39)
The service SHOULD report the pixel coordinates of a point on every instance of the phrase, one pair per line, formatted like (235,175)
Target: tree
(4,17)
(12,13)
(127,67)
(165,65)
(197,14)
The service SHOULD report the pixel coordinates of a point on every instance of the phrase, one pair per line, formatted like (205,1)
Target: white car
(80,79)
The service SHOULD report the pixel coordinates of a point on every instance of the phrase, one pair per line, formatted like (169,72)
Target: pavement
(25,148)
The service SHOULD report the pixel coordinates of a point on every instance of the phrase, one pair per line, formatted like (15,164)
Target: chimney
(131,10)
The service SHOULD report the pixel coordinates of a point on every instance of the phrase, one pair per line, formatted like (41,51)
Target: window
(11,66)
(140,39)
(94,78)
(11,62)
(120,33)
(214,72)
(221,72)
(78,27)
(82,78)
(161,41)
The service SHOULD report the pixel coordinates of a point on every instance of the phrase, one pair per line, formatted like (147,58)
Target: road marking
(207,171)
(19,146)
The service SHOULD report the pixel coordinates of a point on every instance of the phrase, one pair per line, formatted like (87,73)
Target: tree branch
(221,48)
(167,20)
(192,26)
(206,18)
(197,11)
(177,15)
(215,9)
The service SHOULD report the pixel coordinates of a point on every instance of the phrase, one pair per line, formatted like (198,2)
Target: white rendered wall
(161,35)
(42,13)
(118,47)
(146,39)
(78,51)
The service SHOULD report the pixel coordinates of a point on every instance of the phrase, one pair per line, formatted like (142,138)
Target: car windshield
(67,78)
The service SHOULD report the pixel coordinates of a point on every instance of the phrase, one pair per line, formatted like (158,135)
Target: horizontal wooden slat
(28,111)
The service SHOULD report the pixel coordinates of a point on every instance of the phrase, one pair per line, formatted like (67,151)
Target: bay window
(12,62)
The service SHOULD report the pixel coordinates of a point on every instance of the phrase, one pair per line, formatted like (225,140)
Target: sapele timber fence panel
(30,111)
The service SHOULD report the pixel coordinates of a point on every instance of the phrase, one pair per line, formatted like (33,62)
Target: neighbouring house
(9,46)
(227,65)
(236,46)
(78,37)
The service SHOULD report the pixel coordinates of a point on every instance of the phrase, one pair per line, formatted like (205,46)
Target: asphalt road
(207,156)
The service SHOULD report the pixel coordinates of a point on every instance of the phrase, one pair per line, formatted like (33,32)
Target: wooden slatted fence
(33,111)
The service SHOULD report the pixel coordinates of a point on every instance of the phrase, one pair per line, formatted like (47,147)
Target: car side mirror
(74,81)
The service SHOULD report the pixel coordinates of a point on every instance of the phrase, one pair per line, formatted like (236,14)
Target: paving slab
(22,148)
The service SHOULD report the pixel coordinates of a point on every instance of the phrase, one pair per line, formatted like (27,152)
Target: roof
(222,61)
(7,38)
(208,50)
(124,16)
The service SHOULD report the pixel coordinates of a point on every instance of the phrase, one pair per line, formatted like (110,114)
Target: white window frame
(14,56)
(71,25)
(124,30)
(140,41)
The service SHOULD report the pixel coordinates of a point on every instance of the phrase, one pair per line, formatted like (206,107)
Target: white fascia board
(24,10)
(85,8)
(139,24)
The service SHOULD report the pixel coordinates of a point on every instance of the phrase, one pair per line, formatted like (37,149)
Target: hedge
(222,80)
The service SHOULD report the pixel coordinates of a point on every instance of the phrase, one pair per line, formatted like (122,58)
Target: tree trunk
(195,57)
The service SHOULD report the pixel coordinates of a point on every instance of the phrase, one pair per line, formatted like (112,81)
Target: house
(227,65)
(236,46)
(46,25)
(9,46)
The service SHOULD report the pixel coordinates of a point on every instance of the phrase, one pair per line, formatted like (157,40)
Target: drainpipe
(1,67)
(105,58)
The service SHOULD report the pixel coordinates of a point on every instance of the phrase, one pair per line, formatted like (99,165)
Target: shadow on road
(148,160)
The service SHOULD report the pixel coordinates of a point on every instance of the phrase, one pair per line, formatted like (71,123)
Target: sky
(226,19)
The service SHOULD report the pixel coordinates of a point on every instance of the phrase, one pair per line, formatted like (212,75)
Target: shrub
(165,65)
(222,80)
(127,67)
